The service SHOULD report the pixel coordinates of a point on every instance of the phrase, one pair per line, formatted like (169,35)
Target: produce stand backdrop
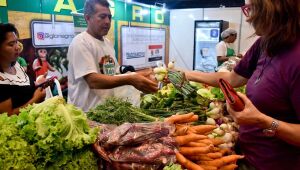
(56,18)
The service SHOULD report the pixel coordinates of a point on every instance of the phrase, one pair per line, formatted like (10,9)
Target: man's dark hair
(89,6)
(6,28)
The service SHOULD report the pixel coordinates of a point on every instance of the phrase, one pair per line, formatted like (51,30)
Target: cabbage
(56,128)
(49,135)
(196,85)
(15,152)
(205,93)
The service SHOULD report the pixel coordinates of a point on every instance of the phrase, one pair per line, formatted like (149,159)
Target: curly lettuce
(49,135)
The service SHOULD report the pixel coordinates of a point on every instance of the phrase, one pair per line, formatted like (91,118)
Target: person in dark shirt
(269,134)
(16,88)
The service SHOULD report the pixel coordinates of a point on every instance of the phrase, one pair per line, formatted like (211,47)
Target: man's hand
(142,82)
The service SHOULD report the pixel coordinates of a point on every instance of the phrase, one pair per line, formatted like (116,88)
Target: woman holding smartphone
(17,90)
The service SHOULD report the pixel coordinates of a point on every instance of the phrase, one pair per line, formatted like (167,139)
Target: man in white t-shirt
(225,48)
(92,62)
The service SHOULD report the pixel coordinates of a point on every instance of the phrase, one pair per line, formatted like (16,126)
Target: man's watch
(271,131)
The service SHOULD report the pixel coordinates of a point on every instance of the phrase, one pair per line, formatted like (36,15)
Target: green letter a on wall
(60,5)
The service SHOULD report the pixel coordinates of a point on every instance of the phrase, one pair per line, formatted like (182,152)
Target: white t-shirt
(221,48)
(87,55)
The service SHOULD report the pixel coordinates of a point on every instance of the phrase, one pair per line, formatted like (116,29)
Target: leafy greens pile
(118,111)
(49,135)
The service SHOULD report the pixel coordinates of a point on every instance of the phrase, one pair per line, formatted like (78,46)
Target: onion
(219,131)
(171,65)
(159,77)
(230,128)
(157,70)
(219,121)
(212,105)
(227,137)
(224,146)
(210,121)
(210,136)
(224,126)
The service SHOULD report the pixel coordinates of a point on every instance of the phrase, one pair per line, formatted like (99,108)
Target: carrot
(195,144)
(207,167)
(216,162)
(181,130)
(187,163)
(222,161)
(206,141)
(231,158)
(177,118)
(229,167)
(216,149)
(201,157)
(182,140)
(217,141)
(194,118)
(215,155)
(202,129)
(190,130)
(225,151)
(195,150)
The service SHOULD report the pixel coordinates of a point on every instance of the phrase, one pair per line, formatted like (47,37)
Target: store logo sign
(49,34)
(40,36)
(43,36)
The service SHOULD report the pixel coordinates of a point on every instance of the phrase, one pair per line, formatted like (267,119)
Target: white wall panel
(247,38)
(182,31)
(182,36)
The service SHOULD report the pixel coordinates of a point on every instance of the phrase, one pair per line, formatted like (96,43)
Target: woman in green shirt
(225,48)
(20,59)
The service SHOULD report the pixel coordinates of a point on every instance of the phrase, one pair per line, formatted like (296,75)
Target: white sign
(142,47)
(51,34)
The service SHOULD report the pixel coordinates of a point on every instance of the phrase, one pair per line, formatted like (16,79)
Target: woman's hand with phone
(39,95)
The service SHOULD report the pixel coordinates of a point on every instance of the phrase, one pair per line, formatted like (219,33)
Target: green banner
(79,21)
(140,13)
(59,7)
(3,15)
(120,10)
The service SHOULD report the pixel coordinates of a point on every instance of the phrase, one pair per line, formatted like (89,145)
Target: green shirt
(22,61)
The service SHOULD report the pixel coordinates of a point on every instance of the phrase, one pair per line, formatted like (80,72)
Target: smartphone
(47,83)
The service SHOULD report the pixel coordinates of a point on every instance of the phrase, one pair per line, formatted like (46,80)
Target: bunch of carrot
(195,150)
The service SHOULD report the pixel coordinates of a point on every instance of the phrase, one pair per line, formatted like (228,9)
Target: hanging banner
(51,34)
(142,47)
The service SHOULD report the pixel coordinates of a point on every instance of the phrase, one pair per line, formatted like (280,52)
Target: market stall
(140,106)
(179,127)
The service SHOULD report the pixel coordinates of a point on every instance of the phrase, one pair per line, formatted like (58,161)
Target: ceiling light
(145,12)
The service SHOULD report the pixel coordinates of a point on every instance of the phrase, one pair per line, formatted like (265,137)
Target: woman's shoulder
(292,54)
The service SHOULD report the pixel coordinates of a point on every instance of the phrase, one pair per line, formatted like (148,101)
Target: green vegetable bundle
(49,135)
(169,101)
(118,111)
